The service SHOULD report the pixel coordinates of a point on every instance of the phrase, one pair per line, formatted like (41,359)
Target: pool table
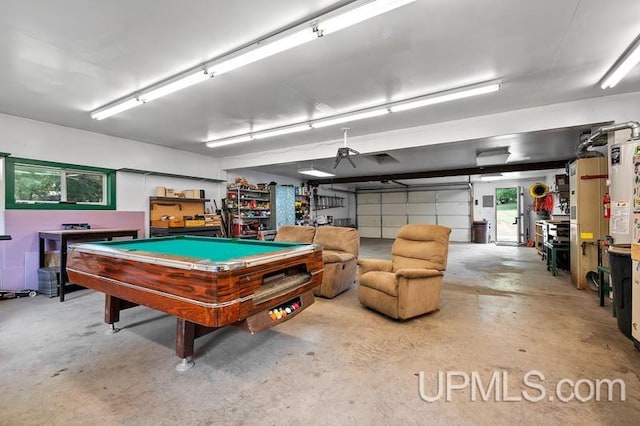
(206,283)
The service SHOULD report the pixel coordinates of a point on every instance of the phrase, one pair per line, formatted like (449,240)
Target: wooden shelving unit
(179,208)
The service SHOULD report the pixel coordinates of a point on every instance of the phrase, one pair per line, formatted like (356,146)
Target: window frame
(10,199)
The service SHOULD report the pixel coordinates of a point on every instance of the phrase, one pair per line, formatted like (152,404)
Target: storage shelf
(252,217)
(238,204)
(179,199)
(249,198)
(257,191)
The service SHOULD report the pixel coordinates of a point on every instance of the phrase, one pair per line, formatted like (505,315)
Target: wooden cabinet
(181,216)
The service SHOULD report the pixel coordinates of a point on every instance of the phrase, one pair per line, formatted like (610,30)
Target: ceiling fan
(345,151)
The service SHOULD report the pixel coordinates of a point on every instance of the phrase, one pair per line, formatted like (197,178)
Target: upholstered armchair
(295,234)
(340,247)
(409,284)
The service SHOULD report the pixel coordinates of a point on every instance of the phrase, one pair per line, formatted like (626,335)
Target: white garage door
(380,215)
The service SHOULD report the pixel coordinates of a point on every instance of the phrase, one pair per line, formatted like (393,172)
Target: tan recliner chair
(295,234)
(408,285)
(340,247)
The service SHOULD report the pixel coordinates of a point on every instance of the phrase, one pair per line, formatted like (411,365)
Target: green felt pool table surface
(214,249)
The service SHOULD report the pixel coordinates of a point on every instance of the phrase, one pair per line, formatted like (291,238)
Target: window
(35,184)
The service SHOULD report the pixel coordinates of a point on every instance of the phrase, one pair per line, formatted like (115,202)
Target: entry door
(508,215)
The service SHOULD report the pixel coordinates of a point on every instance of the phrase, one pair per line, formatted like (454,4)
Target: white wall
(26,138)
(37,140)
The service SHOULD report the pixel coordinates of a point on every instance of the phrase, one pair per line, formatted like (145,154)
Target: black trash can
(479,231)
(621,267)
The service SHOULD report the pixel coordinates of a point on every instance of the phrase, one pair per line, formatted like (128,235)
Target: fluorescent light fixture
(489,177)
(315,172)
(174,86)
(416,102)
(282,131)
(446,97)
(352,117)
(263,50)
(296,35)
(359,14)
(230,141)
(115,109)
(495,156)
(623,65)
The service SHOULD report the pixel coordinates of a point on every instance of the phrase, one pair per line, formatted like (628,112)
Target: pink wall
(19,260)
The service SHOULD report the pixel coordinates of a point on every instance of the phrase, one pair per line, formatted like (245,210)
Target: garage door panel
(423,219)
(394,197)
(369,231)
(460,235)
(422,197)
(454,221)
(394,209)
(368,199)
(390,231)
(382,215)
(453,208)
(368,209)
(421,209)
(369,221)
(448,196)
(394,220)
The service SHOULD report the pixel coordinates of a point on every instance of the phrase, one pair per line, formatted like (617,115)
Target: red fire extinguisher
(606,206)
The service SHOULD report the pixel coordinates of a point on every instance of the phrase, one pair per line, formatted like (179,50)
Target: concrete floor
(336,363)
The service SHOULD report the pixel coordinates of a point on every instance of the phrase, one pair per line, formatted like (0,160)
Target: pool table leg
(186,335)
(185,339)
(112,307)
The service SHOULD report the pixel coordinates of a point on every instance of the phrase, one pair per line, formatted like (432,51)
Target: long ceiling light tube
(375,111)
(359,14)
(335,20)
(175,85)
(623,65)
(281,131)
(263,50)
(114,109)
(447,96)
(347,118)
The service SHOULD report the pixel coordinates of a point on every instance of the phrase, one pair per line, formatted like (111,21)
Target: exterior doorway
(509,215)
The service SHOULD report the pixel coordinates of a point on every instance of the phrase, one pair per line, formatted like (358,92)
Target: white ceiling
(60,63)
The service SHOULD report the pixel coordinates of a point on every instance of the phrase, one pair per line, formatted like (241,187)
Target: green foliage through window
(35,184)
(506,195)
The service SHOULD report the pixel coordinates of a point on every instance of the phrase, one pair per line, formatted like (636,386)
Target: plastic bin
(479,231)
(621,267)
(48,279)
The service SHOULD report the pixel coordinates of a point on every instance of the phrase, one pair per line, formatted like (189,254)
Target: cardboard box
(161,191)
(194,222)
(169,192)
(52,259)
(191,193)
